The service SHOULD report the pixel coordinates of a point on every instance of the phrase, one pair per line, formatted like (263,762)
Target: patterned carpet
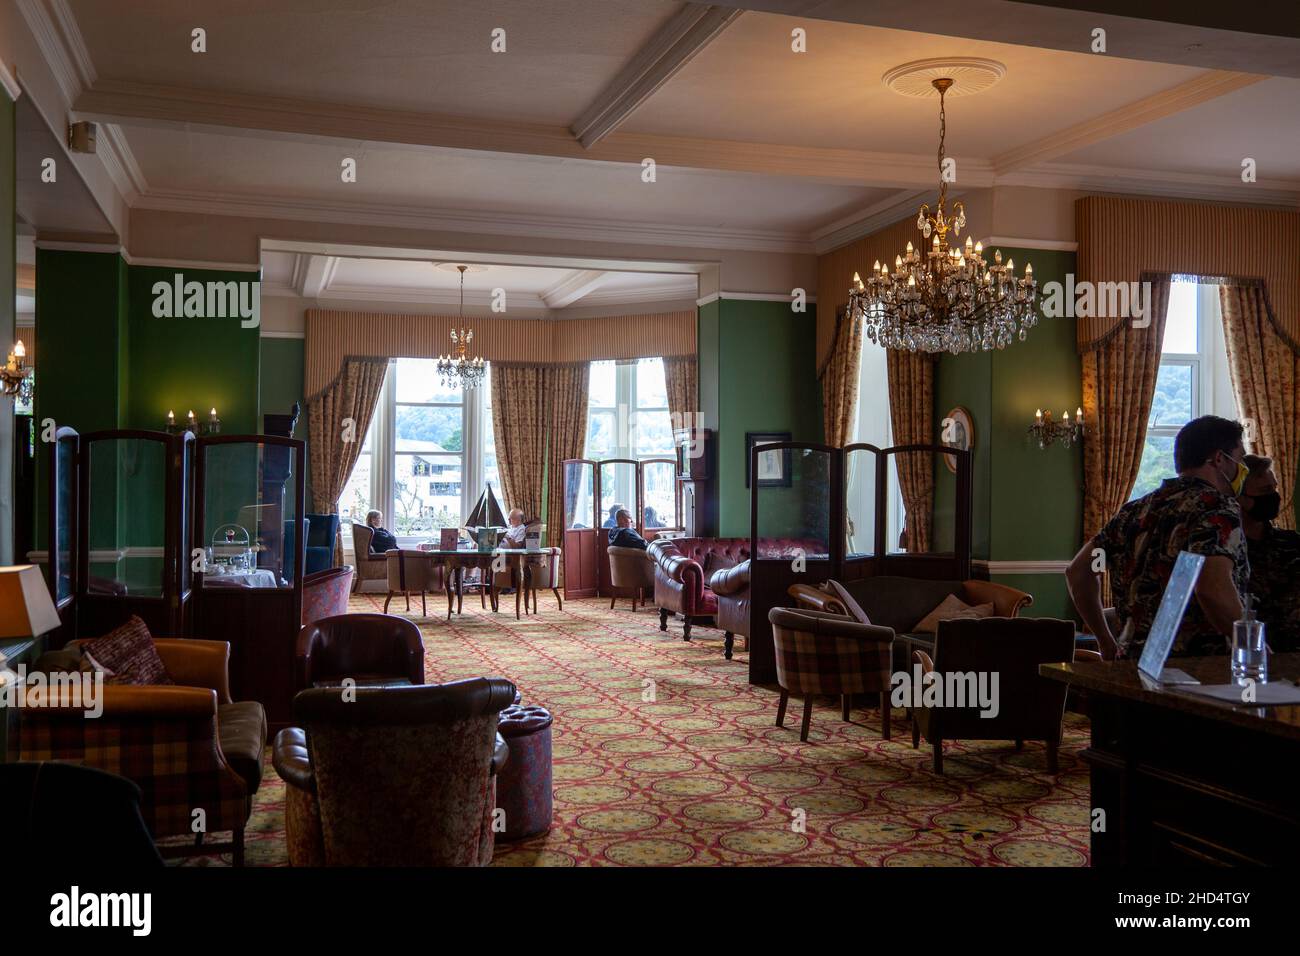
(702,776)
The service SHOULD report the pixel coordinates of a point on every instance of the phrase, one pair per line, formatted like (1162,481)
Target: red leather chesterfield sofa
(685,568)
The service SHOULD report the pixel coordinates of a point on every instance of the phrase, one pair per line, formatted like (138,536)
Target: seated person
(1274,557)
(518,530)
(612,520)
(652,518)
(381,539)
(625,536)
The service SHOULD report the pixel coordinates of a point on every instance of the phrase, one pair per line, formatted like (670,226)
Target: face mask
(1266,506)
(1239,481)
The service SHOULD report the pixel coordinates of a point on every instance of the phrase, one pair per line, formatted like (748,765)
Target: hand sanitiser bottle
(1249,653)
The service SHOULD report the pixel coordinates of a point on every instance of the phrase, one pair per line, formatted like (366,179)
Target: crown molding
(59,54)
(1015,242)
(60,246)
(402,216)
(74,43)
(750,297)
(9,82)
(1201,89)
(1148,182)
(121,163)
(684,292)
(693,27)
(578,286)
(901,205)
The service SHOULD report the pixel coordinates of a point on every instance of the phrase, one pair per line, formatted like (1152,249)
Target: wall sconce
(1064,431)
(211,427)
(15,369)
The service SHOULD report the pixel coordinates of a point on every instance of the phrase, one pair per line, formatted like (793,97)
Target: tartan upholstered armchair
(819,653)
(186,745)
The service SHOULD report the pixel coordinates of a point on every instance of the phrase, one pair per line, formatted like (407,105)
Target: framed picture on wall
(773,466)
(958,430)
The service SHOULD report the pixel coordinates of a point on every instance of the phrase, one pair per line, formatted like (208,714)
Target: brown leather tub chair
(632,573)
(399,776)
(372,649)
(819,653)
(372,569)
(1030,707)
(731,587)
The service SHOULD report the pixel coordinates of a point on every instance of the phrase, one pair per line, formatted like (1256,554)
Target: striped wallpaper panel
(333,335)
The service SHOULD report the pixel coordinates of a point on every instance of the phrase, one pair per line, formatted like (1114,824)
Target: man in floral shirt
(1197,512)
(1274,557)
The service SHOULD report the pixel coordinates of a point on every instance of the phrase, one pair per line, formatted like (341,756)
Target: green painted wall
(765,380)
(1028,501)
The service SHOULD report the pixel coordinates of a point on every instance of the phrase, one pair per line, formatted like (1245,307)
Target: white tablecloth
(261,578)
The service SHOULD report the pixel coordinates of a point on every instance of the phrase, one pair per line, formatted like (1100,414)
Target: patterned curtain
(337,420)
(680,375)
(1265,372)
(1119,382)
(840,381)
(911,411)
(519,400)
(568,387)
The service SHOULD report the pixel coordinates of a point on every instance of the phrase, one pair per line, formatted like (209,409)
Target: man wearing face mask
(1274,556)
(1198,512)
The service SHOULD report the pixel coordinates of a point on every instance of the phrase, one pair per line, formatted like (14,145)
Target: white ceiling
(530,290)
(757,147)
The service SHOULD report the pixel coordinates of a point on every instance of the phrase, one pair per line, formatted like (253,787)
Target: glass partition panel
(579,494)
(65,503)
(915,524)
(860,500)
(126,519)
(617,490)
(794,504)
(249,511)
(659,494)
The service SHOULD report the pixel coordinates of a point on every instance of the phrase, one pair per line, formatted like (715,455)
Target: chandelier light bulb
(20,350)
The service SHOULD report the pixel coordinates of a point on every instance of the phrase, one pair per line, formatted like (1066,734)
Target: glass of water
(1249,653)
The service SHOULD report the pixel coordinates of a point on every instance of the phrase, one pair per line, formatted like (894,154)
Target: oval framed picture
(958,430)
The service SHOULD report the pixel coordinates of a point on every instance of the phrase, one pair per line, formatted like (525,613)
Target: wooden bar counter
(1188,780)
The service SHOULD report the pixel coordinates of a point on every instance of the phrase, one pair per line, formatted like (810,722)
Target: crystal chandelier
(458,370)
(947,299)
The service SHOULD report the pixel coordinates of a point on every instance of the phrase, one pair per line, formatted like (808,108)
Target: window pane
(602,384)
(426,493)
(354,502)
(417,381)
(600,434)
(1172,403)
(653,434)
(651,389)
(1180,323)
(425,428)
(491,473)
(1157,464)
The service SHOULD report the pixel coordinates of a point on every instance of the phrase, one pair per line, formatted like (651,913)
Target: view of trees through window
(627,417)
(1192,379)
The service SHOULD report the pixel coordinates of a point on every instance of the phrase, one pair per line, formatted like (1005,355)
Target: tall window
(427,454)
(1192,380)
(874,427)
(627,417)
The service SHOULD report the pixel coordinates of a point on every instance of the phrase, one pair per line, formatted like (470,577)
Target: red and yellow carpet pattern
(665,755)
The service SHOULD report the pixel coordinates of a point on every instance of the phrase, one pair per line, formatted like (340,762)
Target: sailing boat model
(485,522)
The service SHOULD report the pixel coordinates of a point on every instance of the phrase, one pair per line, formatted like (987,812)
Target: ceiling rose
(459,267)
(972,74)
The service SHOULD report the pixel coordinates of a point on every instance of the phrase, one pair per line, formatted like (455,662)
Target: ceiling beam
(1201,89)
(685,34)
(247,115)
(313,274)
(573,287)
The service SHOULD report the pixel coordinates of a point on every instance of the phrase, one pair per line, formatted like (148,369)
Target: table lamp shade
(25,606)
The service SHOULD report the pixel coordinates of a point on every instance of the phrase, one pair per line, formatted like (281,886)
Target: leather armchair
(731,587)
(212,746)
(372,649)
(410,570)
(1030,707)
(372,569)
(819,653)
(631,571)
(402,776)
(680,565)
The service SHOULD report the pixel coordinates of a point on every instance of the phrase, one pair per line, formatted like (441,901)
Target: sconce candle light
(15,369)
(211,427)
(1047,431)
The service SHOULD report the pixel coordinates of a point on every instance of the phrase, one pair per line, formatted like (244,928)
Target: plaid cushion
(177,764)
(808,663)
(127,655)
